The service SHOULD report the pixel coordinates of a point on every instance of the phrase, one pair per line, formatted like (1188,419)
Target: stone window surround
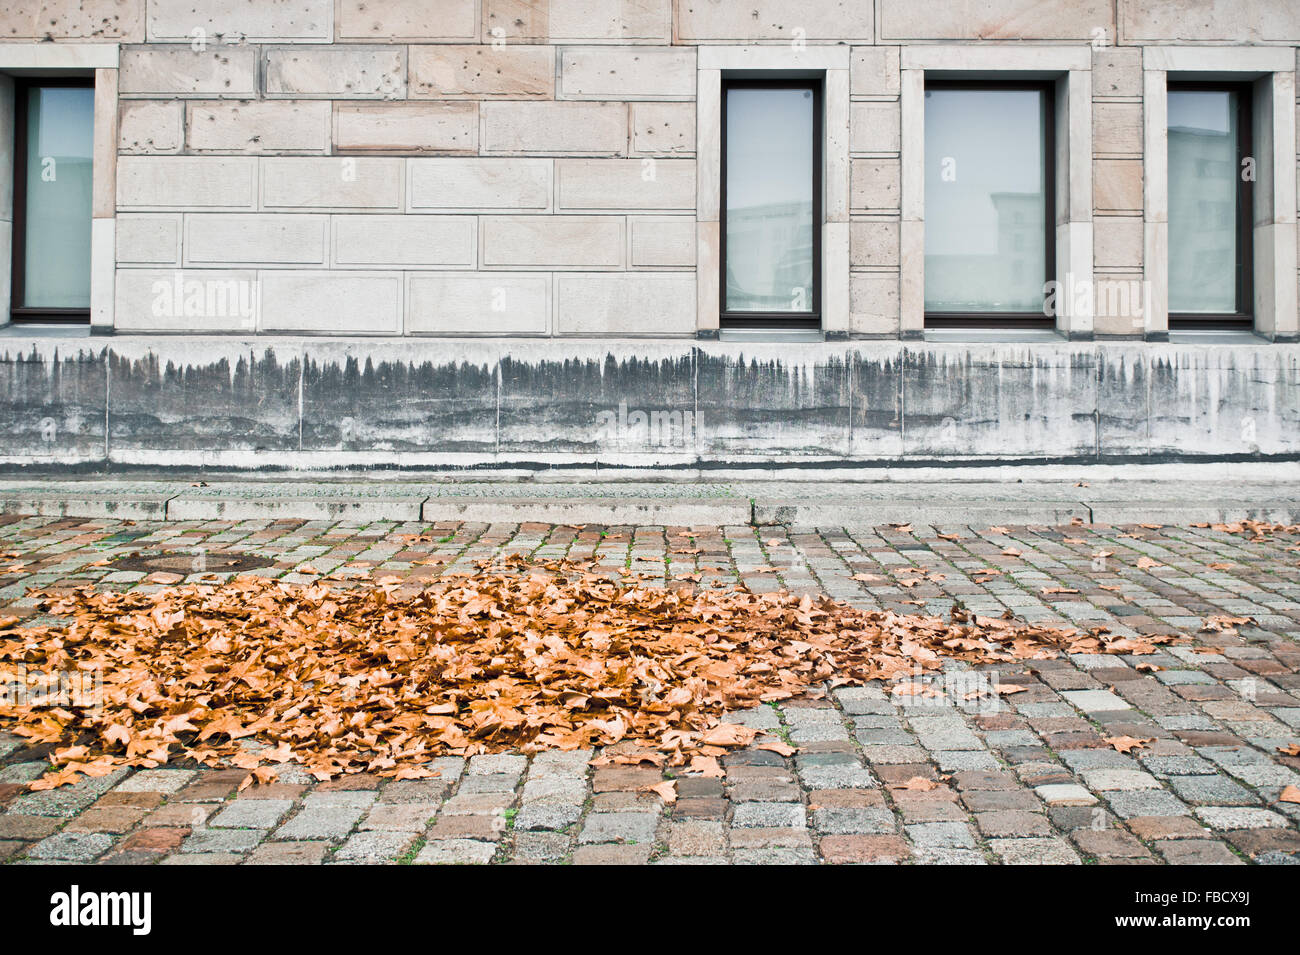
(67,59)
(832,64)
(1070,67)
(1271,71)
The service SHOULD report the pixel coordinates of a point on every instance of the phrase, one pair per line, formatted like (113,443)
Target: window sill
(977,335)
(770,335)
(39,330)
(1215,336)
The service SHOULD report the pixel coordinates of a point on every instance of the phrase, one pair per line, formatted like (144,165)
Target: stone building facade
(472,233)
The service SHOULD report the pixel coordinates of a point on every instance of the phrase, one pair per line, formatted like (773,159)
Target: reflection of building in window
(775,244)
(54,194)
(1017,266)
(1202,216)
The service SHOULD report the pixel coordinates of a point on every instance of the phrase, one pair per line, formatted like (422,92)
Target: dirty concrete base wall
(505,405)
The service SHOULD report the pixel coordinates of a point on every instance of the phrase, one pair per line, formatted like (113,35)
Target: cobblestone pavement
(1028,778)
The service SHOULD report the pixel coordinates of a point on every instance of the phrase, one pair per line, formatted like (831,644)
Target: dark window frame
(812,318)
(17,311)
(1244,316)
(990,319)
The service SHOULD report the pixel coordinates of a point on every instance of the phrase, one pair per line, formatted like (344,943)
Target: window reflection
(986,206)
(57,197)
(1203,244)
(769,200)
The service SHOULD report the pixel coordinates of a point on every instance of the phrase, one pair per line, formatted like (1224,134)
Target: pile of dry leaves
(383,676)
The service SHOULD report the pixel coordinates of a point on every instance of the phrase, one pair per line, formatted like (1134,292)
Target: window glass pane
(1203,201)
(986,209)
(769,264)
(56,260)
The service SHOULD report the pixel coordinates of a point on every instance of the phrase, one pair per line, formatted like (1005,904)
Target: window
(771,202)
(989,190)
(1209,205)
(53,149)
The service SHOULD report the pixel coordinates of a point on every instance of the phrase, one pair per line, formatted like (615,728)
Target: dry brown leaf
(1126,744)
(1290,793)
(416,772)
(707,766)
(667,791)
(776,746)
(728,734)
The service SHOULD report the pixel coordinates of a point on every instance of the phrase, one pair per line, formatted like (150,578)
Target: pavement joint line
(842,504)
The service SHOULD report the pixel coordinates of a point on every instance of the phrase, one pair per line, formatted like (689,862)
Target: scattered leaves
(1258,530)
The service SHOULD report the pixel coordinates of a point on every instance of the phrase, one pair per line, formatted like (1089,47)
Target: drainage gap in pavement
(193,562)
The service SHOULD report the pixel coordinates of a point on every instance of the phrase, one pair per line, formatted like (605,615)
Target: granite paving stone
(1022,779)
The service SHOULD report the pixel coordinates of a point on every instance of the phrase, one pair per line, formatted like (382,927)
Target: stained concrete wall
(548,167)
(322,404)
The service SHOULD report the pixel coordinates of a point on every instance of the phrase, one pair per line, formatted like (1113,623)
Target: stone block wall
(545,167)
